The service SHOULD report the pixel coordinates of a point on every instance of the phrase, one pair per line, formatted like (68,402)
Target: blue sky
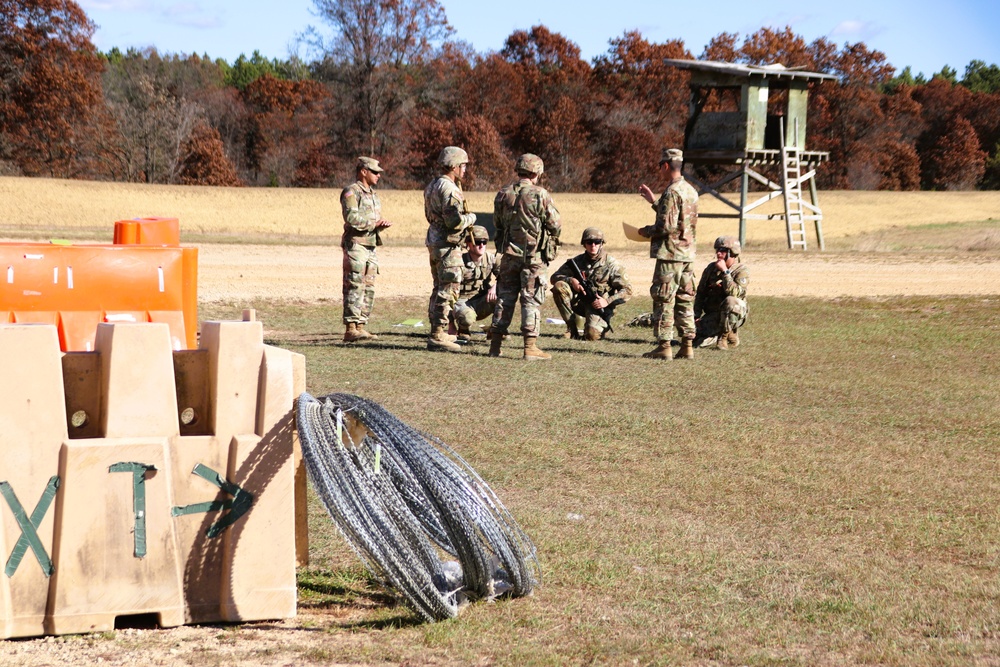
(925,35)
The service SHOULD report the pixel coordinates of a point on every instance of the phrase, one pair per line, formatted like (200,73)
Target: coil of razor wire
(402,498)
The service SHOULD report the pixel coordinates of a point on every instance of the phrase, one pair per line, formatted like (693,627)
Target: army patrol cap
(371,164)
(453,156)
(592,234)
(529,163)
(671,155)
(480,233)
(730,243)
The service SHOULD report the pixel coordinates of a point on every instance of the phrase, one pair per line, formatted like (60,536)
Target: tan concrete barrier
(137,479)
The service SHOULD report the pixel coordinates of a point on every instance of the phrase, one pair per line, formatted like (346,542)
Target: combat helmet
(529,163)
(592,234)
(730,243)
(452,156)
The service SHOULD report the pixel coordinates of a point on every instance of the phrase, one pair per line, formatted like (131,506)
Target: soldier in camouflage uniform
(448,220)
(720,307)
(606,278)
(478,294)
(673,247)
(528,229)
(363,223)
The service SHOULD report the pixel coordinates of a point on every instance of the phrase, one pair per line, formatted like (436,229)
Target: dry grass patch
(38,207)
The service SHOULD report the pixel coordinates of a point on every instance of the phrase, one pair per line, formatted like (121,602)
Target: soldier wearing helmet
(528,226)
(720,307)
(478,294)
(363,224)
(604,278)
(672,245)
(448,220)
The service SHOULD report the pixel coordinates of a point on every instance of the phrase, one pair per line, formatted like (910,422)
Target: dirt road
(237,272)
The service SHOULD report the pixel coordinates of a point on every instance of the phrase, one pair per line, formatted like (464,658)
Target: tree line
(389,79)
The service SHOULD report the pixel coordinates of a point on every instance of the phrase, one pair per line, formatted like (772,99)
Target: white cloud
(116,5)
(857,30)
(190,15)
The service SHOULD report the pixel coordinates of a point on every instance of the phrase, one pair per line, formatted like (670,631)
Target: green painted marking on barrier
(238,506)
(138,471)
(29,527)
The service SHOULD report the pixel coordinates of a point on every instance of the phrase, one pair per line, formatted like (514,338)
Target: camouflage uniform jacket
(446,212)
(477,276)
(672,234)
(362,209)
(520,211)
(605,275)
(715,286)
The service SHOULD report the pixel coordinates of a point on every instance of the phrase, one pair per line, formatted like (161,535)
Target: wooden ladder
(791,183)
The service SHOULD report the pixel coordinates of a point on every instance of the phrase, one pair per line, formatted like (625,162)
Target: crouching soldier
(720,306)
(590,285)
(477,297)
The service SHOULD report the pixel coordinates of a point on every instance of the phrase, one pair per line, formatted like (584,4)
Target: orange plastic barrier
(145,276)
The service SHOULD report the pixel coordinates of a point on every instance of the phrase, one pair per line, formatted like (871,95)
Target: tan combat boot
(352,335)
(687,349)
(592,334)
(439,341)
(734,338)
(365,334)
(723,341)
(661,351)
(531,351)
(571,331)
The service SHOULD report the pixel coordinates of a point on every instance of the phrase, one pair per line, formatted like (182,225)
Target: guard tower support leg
(744,186)
(814,197)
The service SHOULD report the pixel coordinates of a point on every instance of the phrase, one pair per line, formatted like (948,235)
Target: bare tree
(372,45)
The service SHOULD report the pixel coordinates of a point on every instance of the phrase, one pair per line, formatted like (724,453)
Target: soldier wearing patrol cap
(672,245)
(363,224)
(448,219)
(603,277)
(720,307)
(528,227)
(478,294)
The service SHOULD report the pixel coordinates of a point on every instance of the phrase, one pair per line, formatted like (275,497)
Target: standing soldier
(720,307)
(478,294)
(527,223)
(363,221)
(448,218)
(595,274)
(672,246)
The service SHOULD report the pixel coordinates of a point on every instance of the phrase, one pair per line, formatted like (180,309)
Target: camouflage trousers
(522,277)
(446,270)
(360,269)
(731,315)
(469,311)
(673,291)
(563,295)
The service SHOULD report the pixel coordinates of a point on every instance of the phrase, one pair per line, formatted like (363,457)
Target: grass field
(823,495)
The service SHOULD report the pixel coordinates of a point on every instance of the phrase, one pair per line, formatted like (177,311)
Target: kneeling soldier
(590,285)
(720,306)
(478,295)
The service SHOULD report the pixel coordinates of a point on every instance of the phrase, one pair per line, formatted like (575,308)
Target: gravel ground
(238,272)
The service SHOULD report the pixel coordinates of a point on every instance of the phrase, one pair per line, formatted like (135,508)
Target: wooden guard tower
(750,137)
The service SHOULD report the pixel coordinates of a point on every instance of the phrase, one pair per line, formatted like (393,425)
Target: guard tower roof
(776,71)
